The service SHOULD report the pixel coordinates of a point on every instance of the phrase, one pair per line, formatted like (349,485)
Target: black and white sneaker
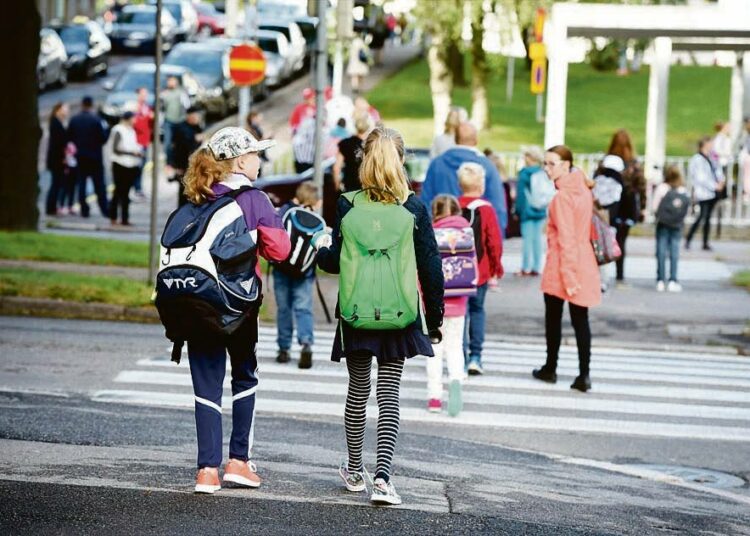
(384,493)
(353,480)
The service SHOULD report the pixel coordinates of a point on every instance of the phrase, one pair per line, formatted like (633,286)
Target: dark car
(87,47)
(184,15)
(122,94)
(210,20)
(135,30)
(51,67)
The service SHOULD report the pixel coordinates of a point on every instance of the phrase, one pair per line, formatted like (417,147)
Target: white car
(297,43)
(279,61)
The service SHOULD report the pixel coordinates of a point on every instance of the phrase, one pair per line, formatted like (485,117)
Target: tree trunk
(441,83)
(456,63)
(19,140)
(480,106)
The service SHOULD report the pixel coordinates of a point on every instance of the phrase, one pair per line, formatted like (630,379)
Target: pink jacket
(570,257)
(454,306)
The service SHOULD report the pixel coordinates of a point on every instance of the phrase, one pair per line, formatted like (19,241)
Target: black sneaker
(282,356)
(305,357)
(581,383)
(544,375)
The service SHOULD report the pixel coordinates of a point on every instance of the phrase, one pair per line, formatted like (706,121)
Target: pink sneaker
(434,405)
(207,480)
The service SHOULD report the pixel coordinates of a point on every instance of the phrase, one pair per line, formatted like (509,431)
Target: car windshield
(138,17)
(204,63)
(132,80)
(269,45)
(206,9)
(282,29)
(308,30)
(74,35)
(175,10)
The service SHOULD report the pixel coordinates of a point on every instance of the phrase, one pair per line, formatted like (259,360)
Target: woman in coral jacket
(570,273)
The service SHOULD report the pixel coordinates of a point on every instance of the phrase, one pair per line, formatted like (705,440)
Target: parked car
(279,61)
(51,64)
(259,91)
(297,44)
(184,15)
(122,92)
(309,28)
(135,29)
(87,47)
(210,20)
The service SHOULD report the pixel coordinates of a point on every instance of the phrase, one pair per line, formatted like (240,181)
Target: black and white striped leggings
(355,415)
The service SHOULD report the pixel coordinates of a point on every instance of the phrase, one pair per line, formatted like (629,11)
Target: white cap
(231,142)
(614,163)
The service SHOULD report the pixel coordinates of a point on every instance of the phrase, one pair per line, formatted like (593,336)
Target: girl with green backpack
(390,298)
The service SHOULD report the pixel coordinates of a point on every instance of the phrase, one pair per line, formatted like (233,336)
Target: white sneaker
(674,286)
(384,493)
(353,480)
(660,286)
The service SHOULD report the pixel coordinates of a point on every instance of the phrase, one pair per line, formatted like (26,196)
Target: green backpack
(378,276)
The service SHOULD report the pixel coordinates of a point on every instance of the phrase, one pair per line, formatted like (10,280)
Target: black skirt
(385,345)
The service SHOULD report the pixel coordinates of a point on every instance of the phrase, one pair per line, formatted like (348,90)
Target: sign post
(320,78)
(538,56)
(153,254)
(247,67)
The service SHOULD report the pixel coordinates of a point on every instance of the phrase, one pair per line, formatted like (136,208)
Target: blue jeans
(531,231)
(168,131)
(294,303)
(667,240)
(474,330)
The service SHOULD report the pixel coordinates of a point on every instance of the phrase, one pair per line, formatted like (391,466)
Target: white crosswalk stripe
(636,392)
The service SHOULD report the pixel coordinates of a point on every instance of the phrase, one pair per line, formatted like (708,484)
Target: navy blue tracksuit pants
(207,367)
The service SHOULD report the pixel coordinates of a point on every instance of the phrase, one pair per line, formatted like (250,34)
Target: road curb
(22,306)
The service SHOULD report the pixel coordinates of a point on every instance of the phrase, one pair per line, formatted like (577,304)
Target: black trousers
(56,187)
(579,316)
(90,167)
(622,236)
(706,208)
(124,178)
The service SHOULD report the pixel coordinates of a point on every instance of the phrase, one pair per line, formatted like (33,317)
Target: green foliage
(73,249)
(598,104)
(605,58)
(73,287)
(742,279)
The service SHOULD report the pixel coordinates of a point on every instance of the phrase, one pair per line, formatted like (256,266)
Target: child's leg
(674,253)
(662,238)
(282,289)
(453,332)
(302,304)
(207,367)
(435,371)
(538,245)
(527,229)
(477,319)
(389,383)
(355,413)
(241,349)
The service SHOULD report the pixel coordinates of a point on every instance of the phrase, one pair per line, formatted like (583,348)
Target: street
(97,430)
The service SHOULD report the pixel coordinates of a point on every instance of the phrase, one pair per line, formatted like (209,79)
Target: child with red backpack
(455,239)
(489,248)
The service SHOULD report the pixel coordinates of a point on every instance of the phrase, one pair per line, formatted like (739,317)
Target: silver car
(279,60)
(297,43)
(51,66)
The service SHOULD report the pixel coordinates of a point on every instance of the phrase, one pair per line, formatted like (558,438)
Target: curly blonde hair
(203,171)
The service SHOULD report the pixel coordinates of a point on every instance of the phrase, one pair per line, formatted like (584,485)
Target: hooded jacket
(570,263)
(442,178)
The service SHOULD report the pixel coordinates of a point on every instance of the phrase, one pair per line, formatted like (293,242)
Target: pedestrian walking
(744,160)
(349,157)
(254,122)
(175,102)
(127,162)
(442,178)
(708,183)
(570,272)
(293,291)
(303,110)
(608,199)
(447,139)
(56,146)
(379,35)
(144,132)
(303,145)
(187,137)
(382,234)
(671,204)
(489,248)
(362,108)
(446,214)
(87,131)
(631,209)
(531,210)
(722,151)
(359,63)
(230,162)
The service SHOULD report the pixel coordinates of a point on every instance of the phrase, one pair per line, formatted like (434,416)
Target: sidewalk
(275,110)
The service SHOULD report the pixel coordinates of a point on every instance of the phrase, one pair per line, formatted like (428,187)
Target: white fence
(735,210)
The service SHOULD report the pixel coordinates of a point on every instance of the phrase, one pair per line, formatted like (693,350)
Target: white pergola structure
(722,26)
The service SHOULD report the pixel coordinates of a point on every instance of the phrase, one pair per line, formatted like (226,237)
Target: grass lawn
(742,279)
(73,287)
(598,104)
(74,249)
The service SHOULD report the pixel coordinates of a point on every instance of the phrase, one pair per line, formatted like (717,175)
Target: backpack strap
(234,194)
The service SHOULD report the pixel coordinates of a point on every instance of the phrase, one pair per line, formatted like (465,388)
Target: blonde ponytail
(203,171)
(383,165)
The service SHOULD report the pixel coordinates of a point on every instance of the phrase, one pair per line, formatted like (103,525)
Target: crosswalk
(636,392)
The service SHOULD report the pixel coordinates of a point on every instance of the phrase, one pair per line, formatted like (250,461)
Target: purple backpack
(459,257)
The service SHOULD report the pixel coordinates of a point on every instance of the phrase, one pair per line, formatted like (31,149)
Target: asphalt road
(75,459)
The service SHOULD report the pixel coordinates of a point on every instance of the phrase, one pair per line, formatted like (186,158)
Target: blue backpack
(300,224)
(207,283)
